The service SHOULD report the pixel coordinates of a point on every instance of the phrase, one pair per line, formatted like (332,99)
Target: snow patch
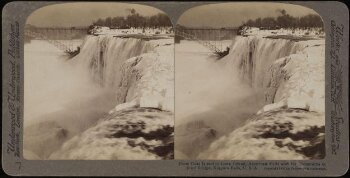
(297,32)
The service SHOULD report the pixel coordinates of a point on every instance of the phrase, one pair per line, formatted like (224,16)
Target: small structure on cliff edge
(222,54)
(71,53)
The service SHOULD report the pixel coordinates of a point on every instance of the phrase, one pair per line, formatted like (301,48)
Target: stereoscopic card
(175,88)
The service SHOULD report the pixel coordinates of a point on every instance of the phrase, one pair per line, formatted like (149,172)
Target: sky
(83,14)
(213,15)
(233,14)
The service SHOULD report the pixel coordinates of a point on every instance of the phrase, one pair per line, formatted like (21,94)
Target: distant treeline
(135,20)
(286,21)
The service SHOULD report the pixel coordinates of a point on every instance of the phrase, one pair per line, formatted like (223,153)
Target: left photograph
(98,83)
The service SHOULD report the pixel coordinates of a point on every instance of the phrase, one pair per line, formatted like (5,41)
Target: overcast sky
(213,15)
(232,14)
(83,14)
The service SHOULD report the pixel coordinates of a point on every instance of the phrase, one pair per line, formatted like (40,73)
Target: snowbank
(148,80)
(298,80)
(297,32)
(100,30)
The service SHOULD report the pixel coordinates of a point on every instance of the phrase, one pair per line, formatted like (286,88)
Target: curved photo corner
(250,82)
(98,83)
(101,10)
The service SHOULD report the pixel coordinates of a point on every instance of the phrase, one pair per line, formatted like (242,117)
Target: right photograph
(250,82)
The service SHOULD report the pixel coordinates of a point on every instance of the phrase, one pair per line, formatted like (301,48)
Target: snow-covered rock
(298,80)
(99,30)
(130,134)
(147,80)
(288,134)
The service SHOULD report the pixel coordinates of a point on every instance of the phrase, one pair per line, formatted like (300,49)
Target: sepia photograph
(167,88)
(98,83)
(250,82)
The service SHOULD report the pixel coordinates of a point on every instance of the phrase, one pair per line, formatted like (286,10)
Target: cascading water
(252,57)
(105,55)
(267,80)
(104,64)
(291,124)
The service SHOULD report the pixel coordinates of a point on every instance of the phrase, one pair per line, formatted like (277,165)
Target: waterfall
(104,56)
(112,63)
(274,65)
(136,80)
(141,126)
(291,125)
(253,56)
